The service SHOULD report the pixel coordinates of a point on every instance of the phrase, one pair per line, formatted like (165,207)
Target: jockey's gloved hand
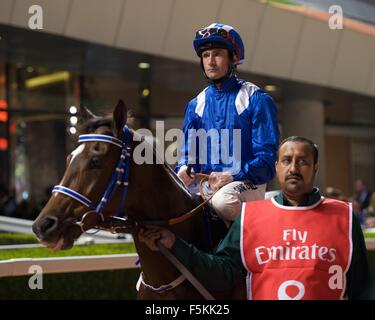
(218,179)
(185,177)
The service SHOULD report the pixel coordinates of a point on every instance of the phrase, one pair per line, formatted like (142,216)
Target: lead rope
(189,276)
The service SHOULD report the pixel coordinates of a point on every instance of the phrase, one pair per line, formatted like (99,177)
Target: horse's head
(89,169)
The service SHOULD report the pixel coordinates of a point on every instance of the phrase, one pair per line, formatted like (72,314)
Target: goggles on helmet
(206,32)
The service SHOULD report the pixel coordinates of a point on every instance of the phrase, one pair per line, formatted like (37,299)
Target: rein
(201,177)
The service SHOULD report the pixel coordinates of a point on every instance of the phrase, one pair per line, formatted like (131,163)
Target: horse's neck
(158,194)
(165,200)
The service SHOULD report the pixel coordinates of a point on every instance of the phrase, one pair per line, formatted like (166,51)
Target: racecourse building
(318,63)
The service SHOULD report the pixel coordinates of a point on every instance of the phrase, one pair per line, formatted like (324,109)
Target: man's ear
(235,59)
(120,116)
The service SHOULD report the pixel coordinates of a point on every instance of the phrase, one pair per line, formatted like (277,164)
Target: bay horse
(102,180)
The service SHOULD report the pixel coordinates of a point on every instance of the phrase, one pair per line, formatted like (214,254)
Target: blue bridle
(120,176)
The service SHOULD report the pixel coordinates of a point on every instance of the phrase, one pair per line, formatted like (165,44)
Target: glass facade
(44,78)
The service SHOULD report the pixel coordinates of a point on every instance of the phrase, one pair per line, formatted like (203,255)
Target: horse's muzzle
(45,227)
(56,233)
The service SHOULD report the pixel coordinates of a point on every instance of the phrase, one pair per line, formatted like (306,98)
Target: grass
(17,238)
(84,250)
(283,2)
(369,234)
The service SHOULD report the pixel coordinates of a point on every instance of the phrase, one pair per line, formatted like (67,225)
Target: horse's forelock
(104,121)
(94,123)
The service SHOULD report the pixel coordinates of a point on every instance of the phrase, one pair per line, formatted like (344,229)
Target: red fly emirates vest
(296,252)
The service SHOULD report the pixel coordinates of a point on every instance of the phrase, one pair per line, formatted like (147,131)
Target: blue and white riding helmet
(218,35)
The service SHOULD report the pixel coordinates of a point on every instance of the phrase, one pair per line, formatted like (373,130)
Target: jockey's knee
(227,208)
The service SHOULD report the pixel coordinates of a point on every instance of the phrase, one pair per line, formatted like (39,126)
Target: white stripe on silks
(243,96)
(201,102)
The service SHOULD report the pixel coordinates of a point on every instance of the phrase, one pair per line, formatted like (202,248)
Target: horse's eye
(94,163)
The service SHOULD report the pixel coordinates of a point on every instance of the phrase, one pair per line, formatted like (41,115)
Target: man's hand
(150,235)
(218,179)
(182,174)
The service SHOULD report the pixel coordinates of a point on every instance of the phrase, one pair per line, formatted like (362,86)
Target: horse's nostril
(47,225)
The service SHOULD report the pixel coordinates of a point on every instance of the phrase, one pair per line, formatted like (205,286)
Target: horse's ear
(120,116)
(85,114)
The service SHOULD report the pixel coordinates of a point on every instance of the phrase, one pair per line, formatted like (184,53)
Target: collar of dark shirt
(309,199)
(227,85)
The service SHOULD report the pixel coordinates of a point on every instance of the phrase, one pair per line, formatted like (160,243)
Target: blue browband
(120,176)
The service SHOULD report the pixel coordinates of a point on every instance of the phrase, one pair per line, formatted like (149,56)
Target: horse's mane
(90,125)
(178,181)
(167,168)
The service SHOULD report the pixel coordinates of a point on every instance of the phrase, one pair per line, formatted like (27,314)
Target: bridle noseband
(120,177)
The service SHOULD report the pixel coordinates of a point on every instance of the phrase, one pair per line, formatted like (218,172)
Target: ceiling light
(73,120)
(270,88)
(143,65)
(73,110)
(47,79)
(145,92)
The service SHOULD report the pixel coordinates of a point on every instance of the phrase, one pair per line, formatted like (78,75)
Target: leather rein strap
(201,178)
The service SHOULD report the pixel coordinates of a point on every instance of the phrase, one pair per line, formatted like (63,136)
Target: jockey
(239,120)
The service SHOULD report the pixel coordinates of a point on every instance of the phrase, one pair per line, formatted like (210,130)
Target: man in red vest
(297,245)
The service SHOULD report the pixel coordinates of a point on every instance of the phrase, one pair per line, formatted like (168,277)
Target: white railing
(21,266)
(15,225)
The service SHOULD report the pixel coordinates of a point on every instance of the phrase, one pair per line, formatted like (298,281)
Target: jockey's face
(295,169)
(215,63)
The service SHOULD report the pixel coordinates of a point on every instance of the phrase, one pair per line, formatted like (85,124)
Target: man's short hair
(313,146)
